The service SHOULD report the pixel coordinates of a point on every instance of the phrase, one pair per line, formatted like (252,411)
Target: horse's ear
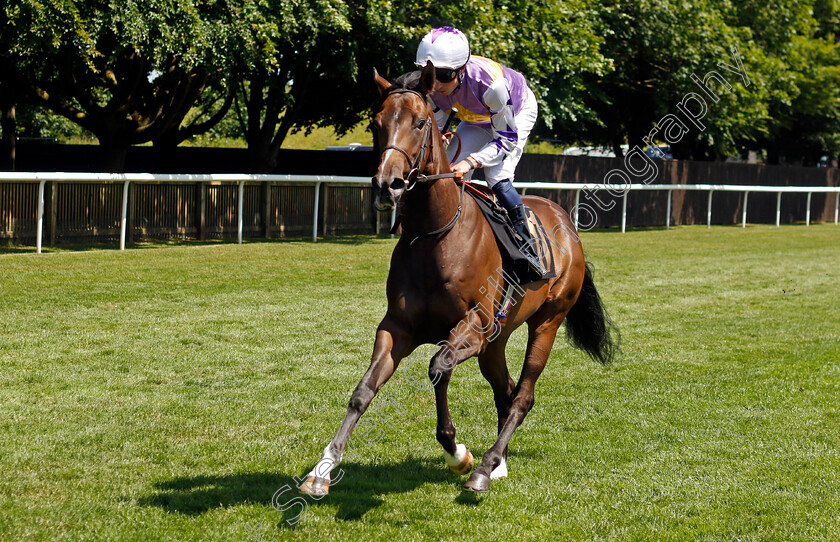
(381,82)
(427,78)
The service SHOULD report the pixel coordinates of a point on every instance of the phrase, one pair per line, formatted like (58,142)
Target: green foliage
(128,71)
(811,124)
(554,44)
(654,47)
(604,71)
(827,16)
(296,59)
(774,23)
(795,61)
(43,123)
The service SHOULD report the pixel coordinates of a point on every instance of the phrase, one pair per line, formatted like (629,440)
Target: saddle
(513,261)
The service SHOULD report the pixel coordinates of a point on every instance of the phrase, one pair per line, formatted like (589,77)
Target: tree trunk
(9,128)
(112,155)
(260,157)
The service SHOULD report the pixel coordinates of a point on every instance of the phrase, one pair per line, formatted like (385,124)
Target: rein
(452,222)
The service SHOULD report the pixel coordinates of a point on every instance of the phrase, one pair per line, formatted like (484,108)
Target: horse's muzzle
(387,193)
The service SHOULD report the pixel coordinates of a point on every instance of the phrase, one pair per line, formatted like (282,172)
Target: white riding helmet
(446,47)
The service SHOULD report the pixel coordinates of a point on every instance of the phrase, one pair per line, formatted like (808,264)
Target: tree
(827,16)
(10,83)
(807,126)
(555,44)
(325,50)
(299,64)
(799,64)
(315,69)
(654,47)
(8,125)
(128,71)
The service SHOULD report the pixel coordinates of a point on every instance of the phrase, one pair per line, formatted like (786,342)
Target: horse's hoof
(461,462)
(478,482)
(315,486)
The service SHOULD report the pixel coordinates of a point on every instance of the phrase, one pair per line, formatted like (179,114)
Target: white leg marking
(500,471)
(455,460)
(324,466)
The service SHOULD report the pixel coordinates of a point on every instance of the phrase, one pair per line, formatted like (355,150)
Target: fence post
(744,213)
(315,212)
(836,206)
(577,208)
(239,211)
(325,214)
(40,214)
(124,217)
(201,211)
(266,195)
(52,212)
(778,208)
(808,210)
(668,211)
(709,211)
(624,212)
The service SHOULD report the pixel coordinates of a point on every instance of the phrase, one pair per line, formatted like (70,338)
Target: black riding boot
(526,241)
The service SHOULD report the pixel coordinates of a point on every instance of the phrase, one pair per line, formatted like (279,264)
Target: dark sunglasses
(445,75)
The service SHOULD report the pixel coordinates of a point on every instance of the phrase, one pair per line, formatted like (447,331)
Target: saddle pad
(513,261)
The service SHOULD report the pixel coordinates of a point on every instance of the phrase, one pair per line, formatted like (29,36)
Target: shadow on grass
(361,489)
(29,248)
(349,239)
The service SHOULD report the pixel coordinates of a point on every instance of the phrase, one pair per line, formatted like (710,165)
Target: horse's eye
(421,123)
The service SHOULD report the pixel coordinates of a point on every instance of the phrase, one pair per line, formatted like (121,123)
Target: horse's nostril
(397,184)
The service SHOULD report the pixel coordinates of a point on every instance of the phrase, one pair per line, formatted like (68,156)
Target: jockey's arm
(498,101)
(441,117)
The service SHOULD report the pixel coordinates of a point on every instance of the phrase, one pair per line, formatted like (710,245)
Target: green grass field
(168,392)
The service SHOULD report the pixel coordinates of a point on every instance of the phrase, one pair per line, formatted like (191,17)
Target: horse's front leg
(392,344)
(465,341)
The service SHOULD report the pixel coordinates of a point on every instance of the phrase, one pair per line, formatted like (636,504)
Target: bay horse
(440,269)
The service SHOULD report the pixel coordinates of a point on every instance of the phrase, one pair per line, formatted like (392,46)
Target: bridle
(420,162)
(426,148)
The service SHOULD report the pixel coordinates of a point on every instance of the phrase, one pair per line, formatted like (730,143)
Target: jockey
(497,111)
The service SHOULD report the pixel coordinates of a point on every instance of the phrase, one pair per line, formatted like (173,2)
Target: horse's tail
(588,327)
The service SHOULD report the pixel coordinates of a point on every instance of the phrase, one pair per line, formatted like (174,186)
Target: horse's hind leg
(494,368)
(463,343)
(541,335)
(392,344)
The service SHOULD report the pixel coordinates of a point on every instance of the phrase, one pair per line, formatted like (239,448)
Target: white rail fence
(318,180)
